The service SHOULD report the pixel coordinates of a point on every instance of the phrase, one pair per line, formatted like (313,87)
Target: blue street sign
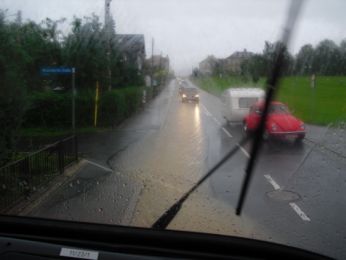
(56,70)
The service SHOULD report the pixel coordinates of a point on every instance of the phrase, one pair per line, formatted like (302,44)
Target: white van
(236,102)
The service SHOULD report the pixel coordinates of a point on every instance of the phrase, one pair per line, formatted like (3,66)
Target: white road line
(99,165)
(293,205)
(206,110)
(216,121)
(244,151)
(272,182)
(300,213)
(226,132)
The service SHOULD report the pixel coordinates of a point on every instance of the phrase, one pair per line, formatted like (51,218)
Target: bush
(50,109)
(118,104)
(13,104)
(112,108)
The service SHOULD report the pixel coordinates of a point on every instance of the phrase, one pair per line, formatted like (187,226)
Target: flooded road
(134,173)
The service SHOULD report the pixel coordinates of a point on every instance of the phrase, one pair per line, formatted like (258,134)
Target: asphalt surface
(136,171)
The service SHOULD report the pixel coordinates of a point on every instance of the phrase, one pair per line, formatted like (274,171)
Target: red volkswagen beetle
(280,122)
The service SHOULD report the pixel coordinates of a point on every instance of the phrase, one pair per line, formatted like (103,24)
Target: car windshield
(278,109)
(191,90)
(95,126)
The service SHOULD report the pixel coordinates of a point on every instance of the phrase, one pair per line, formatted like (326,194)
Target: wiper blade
(169,215)
(272,86)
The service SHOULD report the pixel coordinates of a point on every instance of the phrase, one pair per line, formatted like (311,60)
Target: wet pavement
(136,171)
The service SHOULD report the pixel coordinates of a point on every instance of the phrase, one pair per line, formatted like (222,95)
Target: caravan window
(247,102)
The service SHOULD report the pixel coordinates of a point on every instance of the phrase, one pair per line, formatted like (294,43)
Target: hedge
(50,109)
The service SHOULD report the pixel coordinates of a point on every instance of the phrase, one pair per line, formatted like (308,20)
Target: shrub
(50,109)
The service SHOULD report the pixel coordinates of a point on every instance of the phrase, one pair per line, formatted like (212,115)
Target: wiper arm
(170,214)
(272,86)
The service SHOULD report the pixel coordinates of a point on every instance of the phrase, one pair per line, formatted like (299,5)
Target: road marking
(99,165)
(226,132)
(244,151)
(206,110)
(272,182)
(293,205)
(216,121)
(300,213)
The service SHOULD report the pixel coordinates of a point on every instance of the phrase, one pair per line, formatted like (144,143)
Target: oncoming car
(280,123)
(189,94)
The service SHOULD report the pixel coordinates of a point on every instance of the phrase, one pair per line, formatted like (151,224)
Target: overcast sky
(189,30)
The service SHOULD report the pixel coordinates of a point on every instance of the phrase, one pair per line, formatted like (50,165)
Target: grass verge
(322,105)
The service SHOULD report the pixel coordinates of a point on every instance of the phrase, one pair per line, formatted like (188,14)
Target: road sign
(45,71)
(56,70)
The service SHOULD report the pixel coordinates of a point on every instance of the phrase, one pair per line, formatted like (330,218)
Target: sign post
(73,101)
(46,71)
(96,103)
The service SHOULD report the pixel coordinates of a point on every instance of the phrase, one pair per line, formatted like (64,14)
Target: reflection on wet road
(296,196)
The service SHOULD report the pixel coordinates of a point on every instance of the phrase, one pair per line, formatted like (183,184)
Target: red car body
(280,122)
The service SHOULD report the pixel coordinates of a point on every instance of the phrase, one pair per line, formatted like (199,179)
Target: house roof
(131,42)
(240,54)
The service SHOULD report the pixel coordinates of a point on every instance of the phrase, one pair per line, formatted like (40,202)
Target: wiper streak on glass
(272,86)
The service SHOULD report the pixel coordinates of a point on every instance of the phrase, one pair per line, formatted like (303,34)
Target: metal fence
(21,178)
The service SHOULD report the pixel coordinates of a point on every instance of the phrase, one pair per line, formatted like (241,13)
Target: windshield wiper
(272,86)
(169,215)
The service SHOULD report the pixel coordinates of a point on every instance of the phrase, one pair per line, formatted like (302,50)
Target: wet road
(135,172)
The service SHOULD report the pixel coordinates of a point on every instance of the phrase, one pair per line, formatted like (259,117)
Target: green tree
(326,58)
(12,88)
(304,60)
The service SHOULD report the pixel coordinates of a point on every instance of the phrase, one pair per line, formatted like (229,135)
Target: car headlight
(184,95)
(302,126)
(274,127)
(196,95)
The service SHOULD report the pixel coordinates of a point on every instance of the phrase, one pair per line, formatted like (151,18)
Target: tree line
(27,46)
(327,58)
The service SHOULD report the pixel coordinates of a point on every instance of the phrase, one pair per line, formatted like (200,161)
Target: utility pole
(152,64)
(160,69)
(108,40)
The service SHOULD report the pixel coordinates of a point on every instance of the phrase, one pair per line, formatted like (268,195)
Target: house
(207,66)
(232,64)
(131,48)
(158,62)
(229,65)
